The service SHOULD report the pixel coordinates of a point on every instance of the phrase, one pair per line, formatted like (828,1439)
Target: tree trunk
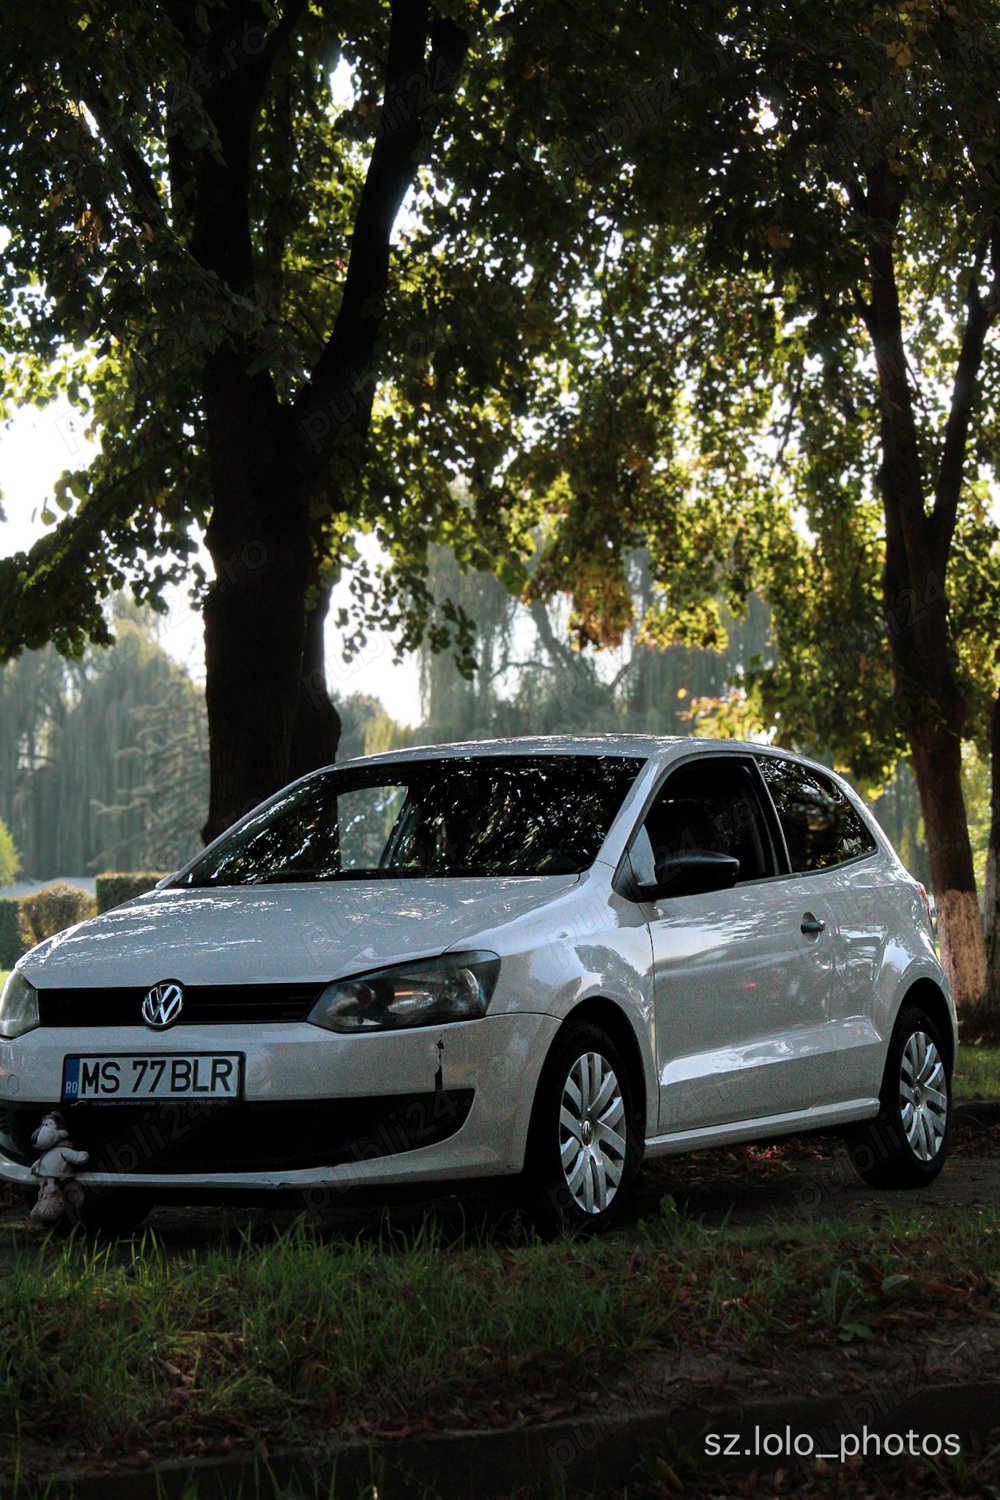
(917,551)
(254,628)
(269,714)
(990,1008)
(934,714)
(316,730)
(937,765)
(255,623)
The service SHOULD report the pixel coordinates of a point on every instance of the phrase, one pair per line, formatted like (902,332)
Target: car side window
(711,804)
(820,825)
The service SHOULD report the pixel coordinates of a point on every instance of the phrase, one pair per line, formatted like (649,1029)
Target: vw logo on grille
(163,1004)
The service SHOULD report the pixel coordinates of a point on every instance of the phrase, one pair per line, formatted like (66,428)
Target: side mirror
(691,874)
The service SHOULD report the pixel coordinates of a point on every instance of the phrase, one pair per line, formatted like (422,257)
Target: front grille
(175,1136)
(204,1005)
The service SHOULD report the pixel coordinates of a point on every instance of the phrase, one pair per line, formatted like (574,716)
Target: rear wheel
(906,1144)
(583,1140)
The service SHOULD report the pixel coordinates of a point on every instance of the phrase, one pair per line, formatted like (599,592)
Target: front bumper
(318,1109)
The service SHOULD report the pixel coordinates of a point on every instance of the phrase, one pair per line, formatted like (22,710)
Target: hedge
(12,943)
(113,889)
(53,908)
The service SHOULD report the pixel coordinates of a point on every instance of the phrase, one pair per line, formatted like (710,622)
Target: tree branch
(981,313)
(236,67)
(134,166)
(793,407)
(557,649)
(339,395)
(58,567)
(283,32)
(622,673)
(901,477)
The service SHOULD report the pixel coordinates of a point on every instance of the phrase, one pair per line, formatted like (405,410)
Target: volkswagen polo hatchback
(542,958)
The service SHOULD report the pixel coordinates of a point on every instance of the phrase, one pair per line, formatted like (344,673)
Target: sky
(36,446)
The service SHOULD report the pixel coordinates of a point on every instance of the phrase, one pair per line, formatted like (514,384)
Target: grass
(106,1352)
(977,1074)
(260,1335)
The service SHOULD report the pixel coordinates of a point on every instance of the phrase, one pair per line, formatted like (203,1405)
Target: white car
(545,957)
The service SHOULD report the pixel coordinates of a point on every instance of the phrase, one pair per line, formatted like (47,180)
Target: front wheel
(906,1144)
(582,1144)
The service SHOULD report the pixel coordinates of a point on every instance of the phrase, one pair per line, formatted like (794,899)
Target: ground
(772,1193)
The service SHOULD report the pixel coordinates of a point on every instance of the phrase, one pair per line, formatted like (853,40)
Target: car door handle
(812,924)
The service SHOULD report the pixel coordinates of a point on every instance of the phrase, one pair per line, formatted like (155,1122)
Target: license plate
(113,1077)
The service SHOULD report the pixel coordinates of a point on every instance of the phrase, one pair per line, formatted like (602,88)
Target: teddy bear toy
(58,1191)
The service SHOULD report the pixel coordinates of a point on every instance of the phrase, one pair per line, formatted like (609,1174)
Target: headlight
(432,992)
(18,1006)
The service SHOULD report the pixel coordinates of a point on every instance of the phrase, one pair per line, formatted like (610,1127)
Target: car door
(834,854)
(742,977)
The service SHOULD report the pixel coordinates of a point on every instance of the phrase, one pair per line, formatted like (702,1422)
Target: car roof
(641,746)
(649,748)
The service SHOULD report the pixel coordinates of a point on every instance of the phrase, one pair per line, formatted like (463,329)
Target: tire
(583,1142)
(906,1144)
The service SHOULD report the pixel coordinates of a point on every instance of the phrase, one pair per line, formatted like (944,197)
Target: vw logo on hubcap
(162,1005)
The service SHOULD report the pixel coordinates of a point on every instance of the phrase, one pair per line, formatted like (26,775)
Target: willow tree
(100,763)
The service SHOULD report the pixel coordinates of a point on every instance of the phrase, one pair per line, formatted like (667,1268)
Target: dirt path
(813,1179)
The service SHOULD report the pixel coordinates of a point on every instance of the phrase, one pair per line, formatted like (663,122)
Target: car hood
(272,934)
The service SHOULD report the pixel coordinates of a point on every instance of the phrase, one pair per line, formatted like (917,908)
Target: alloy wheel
(592,1132)
(923,1096)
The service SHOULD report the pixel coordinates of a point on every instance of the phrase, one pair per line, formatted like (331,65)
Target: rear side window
(821,827)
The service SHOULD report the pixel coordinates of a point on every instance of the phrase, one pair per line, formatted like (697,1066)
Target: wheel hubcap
(923,1096)
(592,1132)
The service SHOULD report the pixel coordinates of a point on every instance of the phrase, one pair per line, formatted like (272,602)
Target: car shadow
(799,1180)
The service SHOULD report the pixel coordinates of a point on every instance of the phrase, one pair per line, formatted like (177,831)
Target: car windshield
(468,815)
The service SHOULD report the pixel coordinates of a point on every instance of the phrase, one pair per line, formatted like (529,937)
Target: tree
(100,759)
(528,679)
(807,229)
(214,238)
(358,711)
(162,779)
(990,1011)
(908,138)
